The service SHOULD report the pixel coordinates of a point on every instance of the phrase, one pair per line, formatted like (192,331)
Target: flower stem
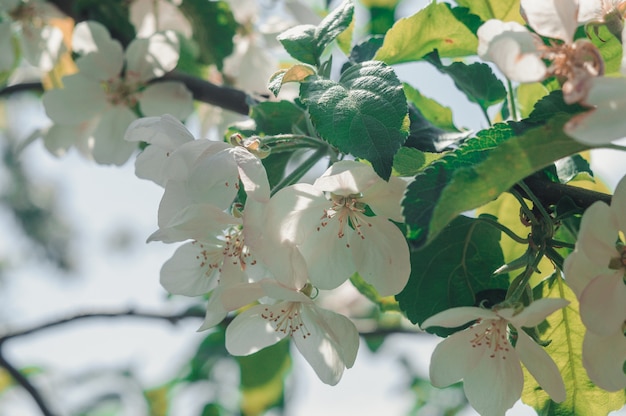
(290,142)
(301,170)
(512,105)
(504,229)
(615,147)
(519,284)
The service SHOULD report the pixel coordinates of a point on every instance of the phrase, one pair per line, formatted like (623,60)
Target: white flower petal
(603,358)
(249,332)
(59,138)
(454,357)
(598,233)
(79,100)
(109,144)
(494,384)
(168,97)
(384,198)
(605,123)
(42,47)
(381,255)
(188,272)
(319,347)
(347,177)
(103,57)
(454,317)
(541,366)
(603,304)
(200,222)
(513,49)
(215,311)
(275,290)
(535,313)
(252,174)
(555,19)
(618,204)
(153,57)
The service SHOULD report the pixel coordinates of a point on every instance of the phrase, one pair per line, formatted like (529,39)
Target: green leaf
(511,162)
(213,27)
(477,81)
(209,352)
(437,114)
(433,27)
(610,47)
(423,193)
(566,331)
(528,95)
(307,42)
(278,117)
(507,10)
(454,270)
(262,378)
(574,167)
(364,114)
(384,303)
(299,42)
(409,161)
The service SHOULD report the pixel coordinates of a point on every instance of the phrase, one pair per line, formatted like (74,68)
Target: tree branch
(26,385)
(549,193)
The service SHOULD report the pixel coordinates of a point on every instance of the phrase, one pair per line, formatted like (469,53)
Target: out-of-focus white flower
(484,358)
(151,16)
(341,225)
(97,104)
(520,54)
(40,43)
(595,271)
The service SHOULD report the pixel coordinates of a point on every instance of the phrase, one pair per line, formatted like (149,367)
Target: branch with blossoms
(533,279)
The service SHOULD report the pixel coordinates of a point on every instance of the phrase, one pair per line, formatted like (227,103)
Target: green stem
(504,229)
(555,257)
(301,170)
(557,243)
(484,110)
(280,142)
(518,287)
(512,105)
(524,206)
(536,202)
(615,147)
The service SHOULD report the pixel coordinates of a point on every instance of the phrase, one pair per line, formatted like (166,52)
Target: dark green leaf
(511,162)
(453,270)
(213,27)
(278,117)
(113,14)
(423,193)
(477,81)
(364,114)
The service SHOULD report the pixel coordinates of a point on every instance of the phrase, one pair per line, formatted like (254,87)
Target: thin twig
(26,385)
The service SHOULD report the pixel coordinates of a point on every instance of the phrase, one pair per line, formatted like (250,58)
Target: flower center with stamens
(492,335)
(119,91)
(286,317)
(347,211)
(236,250)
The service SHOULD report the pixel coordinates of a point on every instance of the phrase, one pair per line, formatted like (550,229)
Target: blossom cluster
(272,253)
(595,271)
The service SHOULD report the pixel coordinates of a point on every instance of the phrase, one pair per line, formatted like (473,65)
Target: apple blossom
(595,271)
(520,54)
(328,341)
(337,235)
(96,105)
(486,359)
(40,43)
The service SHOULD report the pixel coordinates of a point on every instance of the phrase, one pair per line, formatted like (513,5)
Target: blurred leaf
(278,117)
(565,331)
(385,304)
(573,167)
(113,14)
(452,270)
(213,26)
(262,378)
(433,27)
(296,73)
(528,95)
(477,81)
(364,114)
(507,10)
(158,401)
(210,350)
(610,47)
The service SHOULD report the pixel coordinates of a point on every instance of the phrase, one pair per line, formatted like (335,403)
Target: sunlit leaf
(507,10)
(433,27)
(565,332)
